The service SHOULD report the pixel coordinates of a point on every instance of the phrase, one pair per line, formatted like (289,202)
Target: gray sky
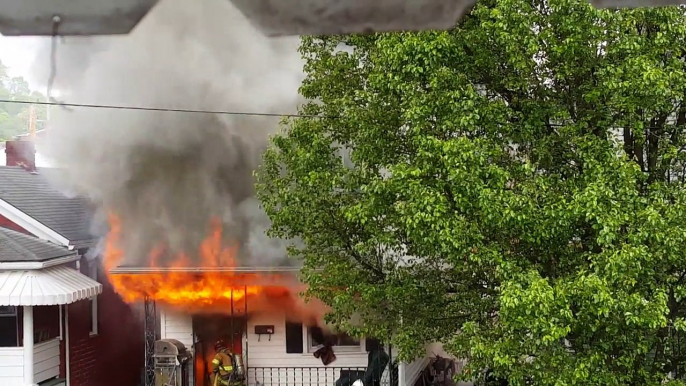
(18,54)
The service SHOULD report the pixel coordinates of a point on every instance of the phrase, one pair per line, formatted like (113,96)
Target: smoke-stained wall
(166,174)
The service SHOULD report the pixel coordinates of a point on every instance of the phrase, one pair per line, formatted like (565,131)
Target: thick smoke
(166,174)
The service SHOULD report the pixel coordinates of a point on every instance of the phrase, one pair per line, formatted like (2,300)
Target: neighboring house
(36,283)
(53,298)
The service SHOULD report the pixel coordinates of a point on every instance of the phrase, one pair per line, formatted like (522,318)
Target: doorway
(207,330)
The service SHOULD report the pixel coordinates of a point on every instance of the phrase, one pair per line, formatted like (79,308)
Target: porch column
(28,346)
(401,374)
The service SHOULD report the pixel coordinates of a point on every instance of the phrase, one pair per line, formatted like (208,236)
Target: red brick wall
(122,333)
(20,153)
(115,356)
(82,346)
(6,223)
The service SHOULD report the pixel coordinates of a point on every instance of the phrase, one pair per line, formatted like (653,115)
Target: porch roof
(123,269)
(46,287)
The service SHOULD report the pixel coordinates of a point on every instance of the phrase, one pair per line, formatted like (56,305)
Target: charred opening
(209,329)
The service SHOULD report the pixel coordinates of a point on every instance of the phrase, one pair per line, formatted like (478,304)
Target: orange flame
(207,290)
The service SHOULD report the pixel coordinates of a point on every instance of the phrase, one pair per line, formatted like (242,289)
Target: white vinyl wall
(46,363)
(268,363)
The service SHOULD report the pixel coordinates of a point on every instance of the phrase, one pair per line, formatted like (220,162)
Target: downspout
(66,345)
(59,307)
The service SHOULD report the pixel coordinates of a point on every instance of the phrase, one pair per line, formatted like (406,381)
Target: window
(8,311)
(341,341)
(46,323)
(93,302)
(8,327)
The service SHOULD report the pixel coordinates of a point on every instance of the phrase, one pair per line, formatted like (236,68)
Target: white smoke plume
(166,174)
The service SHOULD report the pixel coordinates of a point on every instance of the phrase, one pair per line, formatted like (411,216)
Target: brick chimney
(21,153)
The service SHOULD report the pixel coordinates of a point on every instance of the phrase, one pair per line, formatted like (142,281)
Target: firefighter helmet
(220,345)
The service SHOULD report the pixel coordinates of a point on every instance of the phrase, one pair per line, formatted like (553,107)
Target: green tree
(517,189)
(14,117)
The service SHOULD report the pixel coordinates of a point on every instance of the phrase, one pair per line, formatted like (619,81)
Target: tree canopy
(14,117)
(513,187)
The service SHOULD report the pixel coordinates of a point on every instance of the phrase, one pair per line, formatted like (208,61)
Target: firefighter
(223,366)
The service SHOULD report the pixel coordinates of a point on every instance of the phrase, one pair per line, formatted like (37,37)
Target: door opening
(208,329)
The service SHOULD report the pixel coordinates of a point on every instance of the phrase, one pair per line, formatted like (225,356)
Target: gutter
(260,270)
(29,265)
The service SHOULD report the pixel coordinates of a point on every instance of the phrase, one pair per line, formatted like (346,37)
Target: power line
(120,107)
(218,112)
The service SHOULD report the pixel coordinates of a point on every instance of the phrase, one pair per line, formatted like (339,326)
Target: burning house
(256,311)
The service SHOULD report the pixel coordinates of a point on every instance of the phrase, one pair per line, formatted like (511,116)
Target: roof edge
(257,270)
(33,265)
(32,225)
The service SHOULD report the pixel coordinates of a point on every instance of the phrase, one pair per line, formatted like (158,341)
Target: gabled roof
(33,195)
(17,247)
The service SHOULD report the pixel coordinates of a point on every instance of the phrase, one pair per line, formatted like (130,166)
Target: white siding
(46,363)
(414,369)
(177,326)
(270,365)
(266,352)
(266,359)
(11,366)
(46,359)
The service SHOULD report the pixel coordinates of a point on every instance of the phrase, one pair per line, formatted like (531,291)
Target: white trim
(60,308)
(94,316)
(27,343)
(93,274)
(67,363)
(418,372)
(27,265)
(163,324)
(401,374)
(32,225)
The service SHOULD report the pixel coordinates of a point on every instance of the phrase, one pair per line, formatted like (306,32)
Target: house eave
(31,265)
(251,270)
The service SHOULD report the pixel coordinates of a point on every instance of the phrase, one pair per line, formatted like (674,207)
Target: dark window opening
(318,337)
(8,327)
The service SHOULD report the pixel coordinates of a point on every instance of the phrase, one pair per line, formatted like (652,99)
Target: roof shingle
(18,247)
(34,195)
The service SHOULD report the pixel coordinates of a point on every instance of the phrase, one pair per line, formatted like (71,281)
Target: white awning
(46,287)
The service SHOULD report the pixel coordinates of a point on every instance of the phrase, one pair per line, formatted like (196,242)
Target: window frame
(353,349)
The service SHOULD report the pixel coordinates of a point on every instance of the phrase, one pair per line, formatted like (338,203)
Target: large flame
(208,289)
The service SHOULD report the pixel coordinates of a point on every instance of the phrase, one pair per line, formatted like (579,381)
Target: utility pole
(32,122)
(47,111)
